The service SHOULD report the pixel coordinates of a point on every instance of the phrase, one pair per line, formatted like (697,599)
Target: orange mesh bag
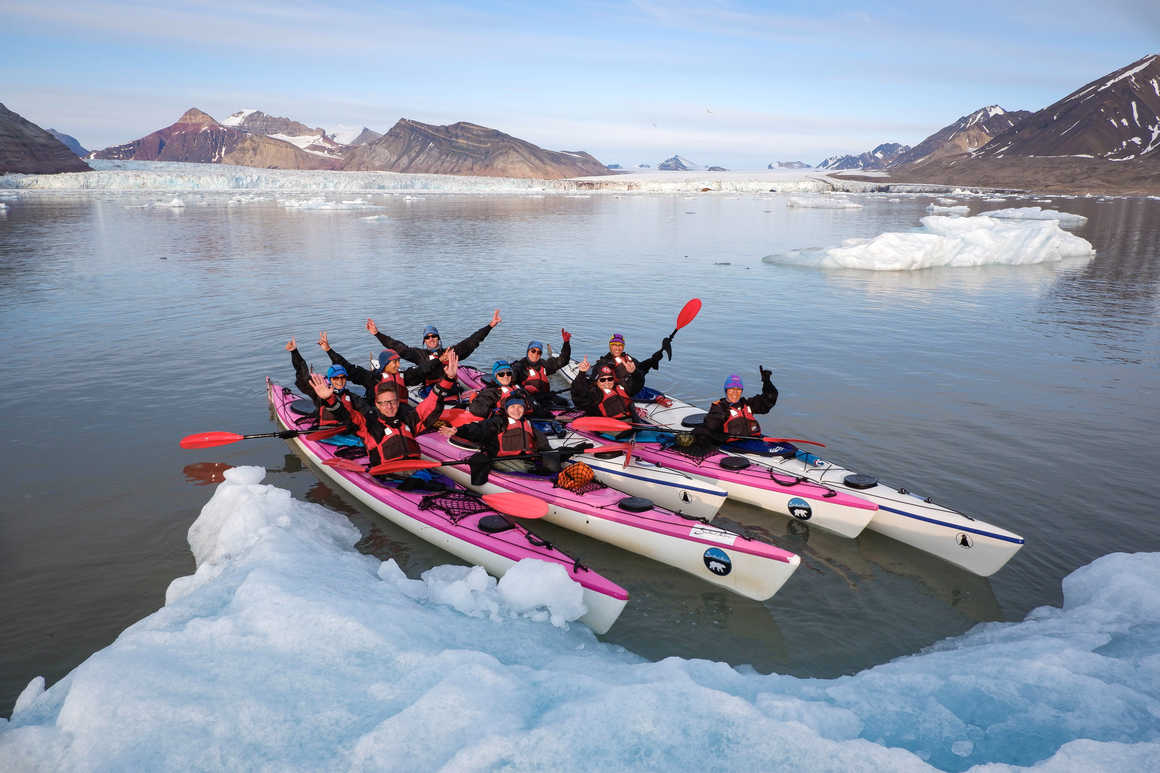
(575,476)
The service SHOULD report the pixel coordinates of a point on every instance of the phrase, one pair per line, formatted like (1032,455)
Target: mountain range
(1104,135)
(196,137)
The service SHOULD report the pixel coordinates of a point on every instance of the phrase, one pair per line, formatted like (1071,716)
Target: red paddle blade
(404,465)
(516,505)
(690,310)
(457,417)
(325,433)
(792,440)
(599,424)
(210,439)
(608,448)
(339,463)
(627,456)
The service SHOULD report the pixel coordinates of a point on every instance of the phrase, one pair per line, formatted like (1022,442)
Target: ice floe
(288,650)
(951,242)
(320,204)
(821,202)
(960,209)
(1036,213)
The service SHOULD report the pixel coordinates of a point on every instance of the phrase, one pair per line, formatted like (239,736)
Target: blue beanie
(430,330)
(535,345)
(500,365)
(733,381)
(385,356)
(335,370)
(514,399)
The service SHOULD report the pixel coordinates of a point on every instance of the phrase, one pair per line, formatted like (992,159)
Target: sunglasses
(429,335)
(533,351)
(387,402)
(606,378)
(504,374)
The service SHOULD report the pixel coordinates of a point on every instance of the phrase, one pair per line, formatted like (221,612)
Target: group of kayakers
(501,414)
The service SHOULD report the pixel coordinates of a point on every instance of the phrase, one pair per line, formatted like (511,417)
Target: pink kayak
(745,566)
(452,519)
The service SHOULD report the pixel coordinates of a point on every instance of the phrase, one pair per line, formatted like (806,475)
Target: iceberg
(288,650)
(951,242)
(1036,213)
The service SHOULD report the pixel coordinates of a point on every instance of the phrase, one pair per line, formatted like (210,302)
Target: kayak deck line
(955,526)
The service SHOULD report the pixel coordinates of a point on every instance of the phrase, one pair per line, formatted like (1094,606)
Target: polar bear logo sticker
(718,562)
(799,508)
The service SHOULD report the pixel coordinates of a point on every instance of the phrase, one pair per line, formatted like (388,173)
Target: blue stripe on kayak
(1016,540)
(716,493)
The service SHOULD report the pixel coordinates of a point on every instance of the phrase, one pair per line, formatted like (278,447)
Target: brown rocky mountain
(315,141)
(197,137)
(27,148)
(965,135)
(1116,117)
(467,149)
(365,137)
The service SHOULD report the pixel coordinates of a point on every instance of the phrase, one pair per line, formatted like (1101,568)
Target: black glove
(667,347)
(765,374)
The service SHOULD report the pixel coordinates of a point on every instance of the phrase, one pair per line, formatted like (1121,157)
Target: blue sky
(731,83)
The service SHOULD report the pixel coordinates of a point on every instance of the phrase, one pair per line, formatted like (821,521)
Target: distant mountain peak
(678,163)
(879,158)
(969,133)
(193,115)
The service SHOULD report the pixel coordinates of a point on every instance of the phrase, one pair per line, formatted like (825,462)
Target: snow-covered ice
(289,650)
(1036,213)
(948,241)
(821,202)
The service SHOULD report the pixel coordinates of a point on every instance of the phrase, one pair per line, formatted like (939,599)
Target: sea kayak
(733,561)
(453,520)
(666,487)
(974,545)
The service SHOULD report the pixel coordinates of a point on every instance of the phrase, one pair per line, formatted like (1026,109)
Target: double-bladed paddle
(601,424)
(213,439)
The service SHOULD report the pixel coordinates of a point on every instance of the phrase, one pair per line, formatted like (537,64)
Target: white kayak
(974,545)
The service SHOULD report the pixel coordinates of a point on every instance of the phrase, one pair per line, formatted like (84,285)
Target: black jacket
(587,394)
(712,430)
(486,434)
(423,356)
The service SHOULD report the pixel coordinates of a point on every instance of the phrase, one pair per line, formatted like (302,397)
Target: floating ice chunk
(1036,213)
(961,209)
(946,202)
(319,204)
(995,198)
(174,203)
(376,217)
(3,207)
(532,585)
(821,202)
(948,241)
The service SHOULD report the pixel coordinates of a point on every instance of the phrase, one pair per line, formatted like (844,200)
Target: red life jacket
(516,438)
(615,403)
(396,443)
(740,420)
(535,379)
(325,417)
(434,354)
(400,387)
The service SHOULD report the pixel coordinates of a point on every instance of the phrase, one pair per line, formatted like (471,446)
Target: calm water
(1027,396)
